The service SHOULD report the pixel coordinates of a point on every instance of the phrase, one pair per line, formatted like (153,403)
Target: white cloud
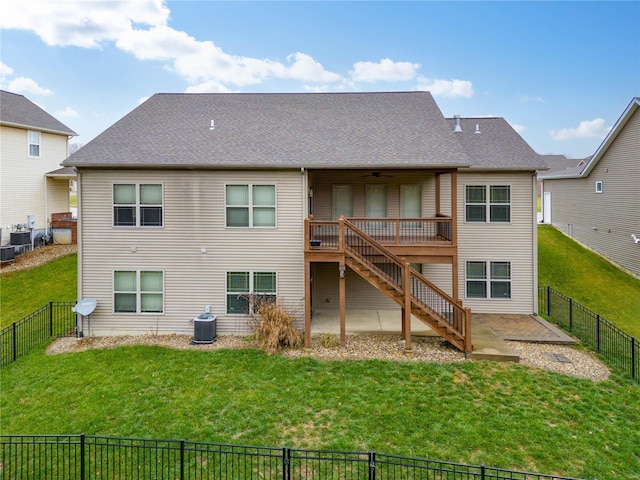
(139,27)
(517,127)
(586,129)
(447,88)
(210,86)
(27,85)
(66,113)
(385,70)
(86,24)
(5,70)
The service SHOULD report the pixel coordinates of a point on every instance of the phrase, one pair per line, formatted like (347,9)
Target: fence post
(372,465)
(50,319)
(286,463)
(571,314)
(82,465)
(482,472)
(15,342)
(633,358)
(549,300)
(182,459)
(598,331)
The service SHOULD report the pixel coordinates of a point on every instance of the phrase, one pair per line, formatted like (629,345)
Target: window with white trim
(250,205)
(137,205)
(341,201)
(33,140)
(138,291)
(492,202)
(488,279)
(598,186)
(241,286)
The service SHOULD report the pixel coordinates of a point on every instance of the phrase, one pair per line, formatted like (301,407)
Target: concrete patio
(489,331)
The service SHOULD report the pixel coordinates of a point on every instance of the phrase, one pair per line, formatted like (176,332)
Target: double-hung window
(243,286)
(138,291)
(33,139)
(488,279)
(137,205)
(490,203)
(250,205)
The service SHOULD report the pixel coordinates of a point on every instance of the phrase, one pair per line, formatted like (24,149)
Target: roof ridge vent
(457,128)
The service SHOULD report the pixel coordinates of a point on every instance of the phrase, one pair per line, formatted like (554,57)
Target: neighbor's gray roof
(18,111)
(491,143)
(561,165)
(278,130)
(62,172)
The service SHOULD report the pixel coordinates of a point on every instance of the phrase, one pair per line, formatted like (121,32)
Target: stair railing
(447,311)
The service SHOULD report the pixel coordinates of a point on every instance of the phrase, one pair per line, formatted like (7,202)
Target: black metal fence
(53,320)
(618,348)
(71,457)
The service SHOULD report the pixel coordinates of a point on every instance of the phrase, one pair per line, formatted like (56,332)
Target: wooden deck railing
(386,231)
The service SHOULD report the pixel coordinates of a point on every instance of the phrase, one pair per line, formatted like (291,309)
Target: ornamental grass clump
(274,327)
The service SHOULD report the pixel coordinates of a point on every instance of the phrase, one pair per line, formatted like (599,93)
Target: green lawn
(589,279)
(503,415)
(25,291)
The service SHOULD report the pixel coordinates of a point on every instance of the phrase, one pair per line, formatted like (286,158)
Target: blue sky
(560,72)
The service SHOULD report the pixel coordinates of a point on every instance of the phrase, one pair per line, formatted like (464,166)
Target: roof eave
(611,136)
(68,133)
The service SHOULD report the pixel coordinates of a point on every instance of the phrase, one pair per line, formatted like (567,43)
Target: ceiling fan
(377,175)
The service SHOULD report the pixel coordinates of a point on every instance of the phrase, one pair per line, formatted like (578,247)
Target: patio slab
(489,331)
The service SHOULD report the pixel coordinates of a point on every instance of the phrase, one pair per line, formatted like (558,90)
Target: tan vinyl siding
(605,221)
(360,295)
(57,196)
(194,218)
(512,242)
(23,178)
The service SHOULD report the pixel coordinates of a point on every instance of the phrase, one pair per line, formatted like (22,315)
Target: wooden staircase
(407,287)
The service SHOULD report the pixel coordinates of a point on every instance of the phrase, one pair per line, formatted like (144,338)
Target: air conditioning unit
(20,238)
(204,328)
(7,254)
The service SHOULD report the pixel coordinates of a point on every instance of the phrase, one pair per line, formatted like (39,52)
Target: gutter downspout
(535,242)
(79,241)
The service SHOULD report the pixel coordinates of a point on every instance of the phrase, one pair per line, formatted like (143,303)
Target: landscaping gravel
(385,347)
(38,256)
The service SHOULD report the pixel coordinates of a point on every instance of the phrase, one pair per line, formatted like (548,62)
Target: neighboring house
(559,164)
(598,204)
(319,200)
(33,144)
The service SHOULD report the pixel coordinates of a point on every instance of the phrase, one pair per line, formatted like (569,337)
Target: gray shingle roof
(560,164)
(497,146)
(289,130)
(17,110)
(326,130)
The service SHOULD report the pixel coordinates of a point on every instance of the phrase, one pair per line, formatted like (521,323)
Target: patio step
(488,345)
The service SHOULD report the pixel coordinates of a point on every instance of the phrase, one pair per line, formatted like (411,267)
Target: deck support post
(406,310)
(468,345)
(343,304)
(307,304)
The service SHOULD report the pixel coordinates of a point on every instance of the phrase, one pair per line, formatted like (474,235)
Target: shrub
(274,327)
(329,340)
